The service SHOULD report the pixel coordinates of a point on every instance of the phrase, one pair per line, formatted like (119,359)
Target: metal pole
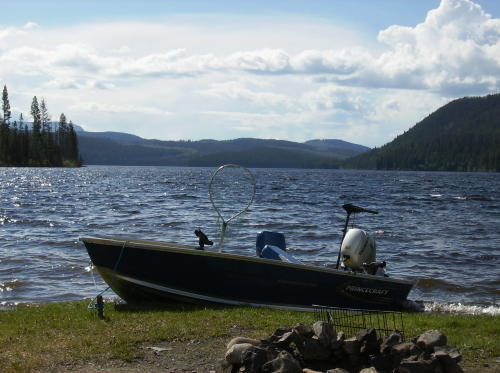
(343,236)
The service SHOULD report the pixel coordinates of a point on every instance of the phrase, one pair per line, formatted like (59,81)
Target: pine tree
(5,128)
(36,143)
(73,153)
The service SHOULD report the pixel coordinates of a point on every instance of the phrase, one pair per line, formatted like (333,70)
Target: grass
(38,337)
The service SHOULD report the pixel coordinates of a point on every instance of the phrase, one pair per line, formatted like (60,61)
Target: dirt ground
(175,356)
(200,356)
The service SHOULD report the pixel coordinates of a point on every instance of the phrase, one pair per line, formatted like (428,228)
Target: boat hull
(155,271)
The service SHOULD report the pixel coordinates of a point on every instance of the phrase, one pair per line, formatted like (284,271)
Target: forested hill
(463,135)
(115,148)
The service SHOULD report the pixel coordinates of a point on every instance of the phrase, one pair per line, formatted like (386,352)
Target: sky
(362,71)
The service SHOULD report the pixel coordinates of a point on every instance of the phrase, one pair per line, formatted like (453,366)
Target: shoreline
(179,337)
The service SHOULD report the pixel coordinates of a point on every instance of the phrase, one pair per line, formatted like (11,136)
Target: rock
(254,358)
(451,351)
(339,343)
(404,350)
(415,367)
(278,333)
(303,330)
(448,361)
(235,354)
(431,339)
(367,335)
(351,346)
(239,340)
(392,340)
(307,370)
(286,340)
(340,337)
(283,363)
(337,370)
(311,349)
(368,340)
(325,333)
(369,370)
(381,363)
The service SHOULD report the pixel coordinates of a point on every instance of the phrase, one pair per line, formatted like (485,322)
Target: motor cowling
(357,248)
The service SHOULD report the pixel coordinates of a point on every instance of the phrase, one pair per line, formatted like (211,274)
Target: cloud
(238,91)
(454,51)
(118,109)
(282,79)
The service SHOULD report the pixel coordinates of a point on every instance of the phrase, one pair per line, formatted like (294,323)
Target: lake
(440,228)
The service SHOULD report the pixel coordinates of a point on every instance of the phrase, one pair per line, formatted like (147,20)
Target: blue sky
(361,71)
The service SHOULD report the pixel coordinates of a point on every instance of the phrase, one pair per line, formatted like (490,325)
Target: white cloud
(285,79)
(238,91)
(117,109)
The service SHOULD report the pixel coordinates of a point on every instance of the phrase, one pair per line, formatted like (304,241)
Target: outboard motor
(357,248)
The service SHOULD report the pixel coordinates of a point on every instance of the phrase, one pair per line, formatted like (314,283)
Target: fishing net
(231,192)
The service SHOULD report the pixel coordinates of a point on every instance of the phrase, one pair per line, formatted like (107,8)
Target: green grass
(48,335)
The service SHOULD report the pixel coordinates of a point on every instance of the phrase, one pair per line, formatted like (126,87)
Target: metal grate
(351,321)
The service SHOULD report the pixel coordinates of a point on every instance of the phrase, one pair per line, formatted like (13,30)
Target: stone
(239,340)
(325,333)
(283,363)
(369,370)
(415,367)
(254,358)
(447,362)
(311,349)
(341,337)
(278,333)
(364,335)
(451,351)
(392,340)
(286,340)
(235,354)
(339,343)
(307,370)
(303,330)
(368,340)
(351,346)
(430,339)
(337,370)
(404,350)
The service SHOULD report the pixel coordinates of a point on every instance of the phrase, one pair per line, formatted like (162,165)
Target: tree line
(43,143)
(463,135)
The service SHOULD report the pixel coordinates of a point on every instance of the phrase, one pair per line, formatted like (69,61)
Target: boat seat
(272,245)
(275,253)
(269,238)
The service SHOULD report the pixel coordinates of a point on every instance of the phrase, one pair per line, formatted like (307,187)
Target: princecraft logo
(358,289)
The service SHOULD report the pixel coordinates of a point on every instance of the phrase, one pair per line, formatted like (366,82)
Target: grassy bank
(51,336)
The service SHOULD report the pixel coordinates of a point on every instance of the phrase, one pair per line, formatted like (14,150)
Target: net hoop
(217,209)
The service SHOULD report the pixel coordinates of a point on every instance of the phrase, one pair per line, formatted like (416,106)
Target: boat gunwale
(190,250)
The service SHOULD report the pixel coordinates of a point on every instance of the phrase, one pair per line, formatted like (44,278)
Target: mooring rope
(92,304)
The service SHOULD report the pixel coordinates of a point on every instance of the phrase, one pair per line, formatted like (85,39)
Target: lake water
(440,228)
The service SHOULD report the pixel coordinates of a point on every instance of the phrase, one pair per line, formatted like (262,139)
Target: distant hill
(116,148)
(463,135)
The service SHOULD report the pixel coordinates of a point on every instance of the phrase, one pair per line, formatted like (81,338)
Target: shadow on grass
(170,306)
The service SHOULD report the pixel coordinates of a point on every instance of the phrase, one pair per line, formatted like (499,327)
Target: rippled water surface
(440,228)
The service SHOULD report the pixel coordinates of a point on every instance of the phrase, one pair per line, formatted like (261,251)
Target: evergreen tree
(73,153)
(36,144)
(6,106)
(5,128)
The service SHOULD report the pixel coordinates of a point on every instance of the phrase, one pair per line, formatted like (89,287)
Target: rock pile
(303,349)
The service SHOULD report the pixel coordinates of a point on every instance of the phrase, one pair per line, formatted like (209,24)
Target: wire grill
(351,321)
